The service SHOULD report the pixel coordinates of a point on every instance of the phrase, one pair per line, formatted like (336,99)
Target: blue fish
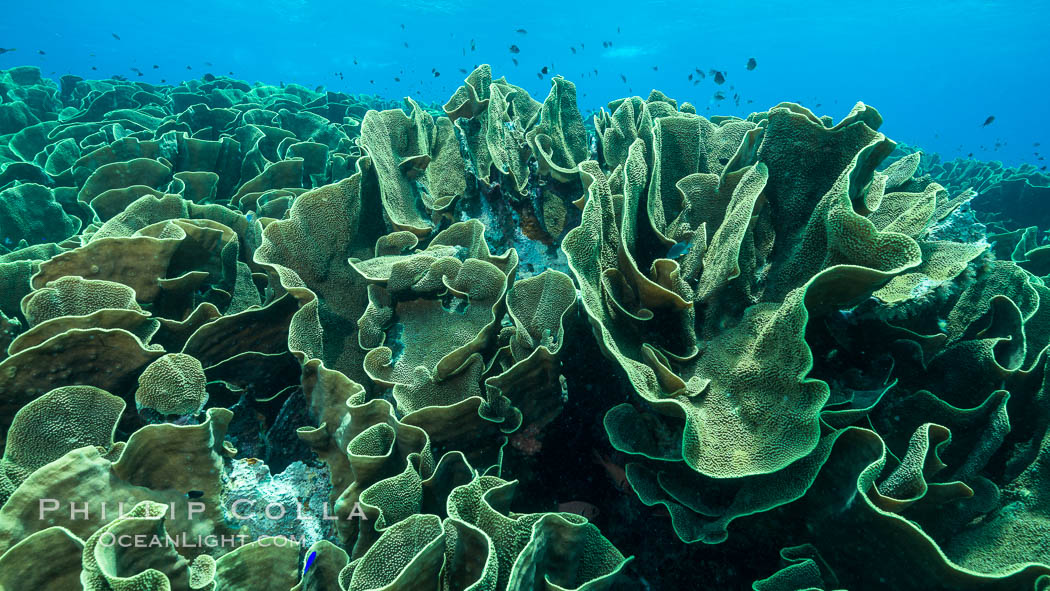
(309,561)
(679,250)
(250,216)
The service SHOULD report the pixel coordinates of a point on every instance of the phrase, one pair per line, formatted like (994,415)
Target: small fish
(194,494)
(41,52)
(115,36)
(405,43)
(515,61)
(624,78)
(1036,144)
(690,76)
(462,70)
(313,555)
(655,68)
(579,508)
(402,26)
(189,67)
(970,155)
(695,82)
(573,50)
(94,68)
(751,63)
(355,61)
(514,49)
(719,96)
(679,250)
(396,79)
(156,67)
(472,45)
(207,64)
(988,121)
(720,78)
(540,76)
(3,51)
(616,473)
(436,73)
(544,70)
(521,31)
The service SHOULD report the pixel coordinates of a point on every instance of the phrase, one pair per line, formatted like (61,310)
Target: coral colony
(299,339)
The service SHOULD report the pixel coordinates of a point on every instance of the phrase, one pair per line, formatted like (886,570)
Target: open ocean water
(663,296)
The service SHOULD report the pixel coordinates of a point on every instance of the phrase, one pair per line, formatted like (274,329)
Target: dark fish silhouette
(690,76)
(573,50)
(655,68)
(93,68)
(970,155)
(396,79)
(719,96)
(436,73)
(472,45)
(540,76)
(1036,144)
(695,82)
(988,121)
(208,64)
(405,43)
(514,60)
(514,49)
(700,73)
(462,70)
(188,68)
(522,31)
(624,78)
(544,70)
(156,67)
(3,51)
(402,26)
(115,36)
(720,78)
(41,52)
(751,63)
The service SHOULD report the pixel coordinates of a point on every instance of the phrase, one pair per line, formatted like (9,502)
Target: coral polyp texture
(495,345)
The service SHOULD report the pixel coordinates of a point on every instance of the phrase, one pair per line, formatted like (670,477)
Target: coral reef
(492,345)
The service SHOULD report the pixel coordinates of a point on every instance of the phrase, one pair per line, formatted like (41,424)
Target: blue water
(935,70)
